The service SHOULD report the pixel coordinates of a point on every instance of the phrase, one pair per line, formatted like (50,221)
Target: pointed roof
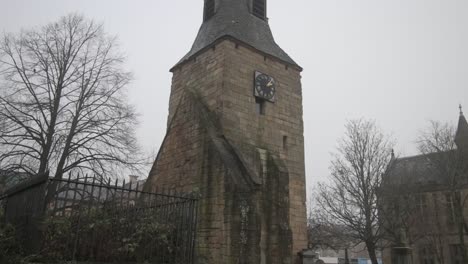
(233,18)
(462,130)
(414,170)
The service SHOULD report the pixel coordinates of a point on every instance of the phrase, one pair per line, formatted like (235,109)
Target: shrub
(105,236)
(10,248)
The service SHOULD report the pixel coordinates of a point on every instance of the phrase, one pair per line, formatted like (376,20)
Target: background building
(425,201)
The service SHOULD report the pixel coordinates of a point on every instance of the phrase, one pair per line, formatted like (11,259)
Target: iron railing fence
(86,219)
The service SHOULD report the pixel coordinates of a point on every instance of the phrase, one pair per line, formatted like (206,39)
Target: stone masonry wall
(244,127)
(203,74)
(188,162)
(238,222)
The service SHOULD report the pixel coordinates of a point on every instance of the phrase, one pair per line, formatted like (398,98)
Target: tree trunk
(346,256)
(44,160)
(66,150)
(371,251)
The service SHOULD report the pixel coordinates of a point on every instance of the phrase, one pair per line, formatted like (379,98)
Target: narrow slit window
(285,142)
(260,106)
(209,9)
(259,8)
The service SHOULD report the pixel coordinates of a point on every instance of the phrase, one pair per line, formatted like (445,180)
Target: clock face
(264,86)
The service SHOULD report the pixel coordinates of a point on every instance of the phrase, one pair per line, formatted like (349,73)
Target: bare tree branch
(350,198)
(63,105)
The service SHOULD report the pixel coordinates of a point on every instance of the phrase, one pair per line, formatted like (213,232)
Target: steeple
(461,138)
(242,20)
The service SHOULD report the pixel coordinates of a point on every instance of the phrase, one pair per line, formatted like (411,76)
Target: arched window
(259,8)
(209,9)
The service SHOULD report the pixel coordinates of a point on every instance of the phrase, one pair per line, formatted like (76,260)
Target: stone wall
(251,185)
(248,130)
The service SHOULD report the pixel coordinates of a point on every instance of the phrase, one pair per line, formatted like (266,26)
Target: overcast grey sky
(400,62)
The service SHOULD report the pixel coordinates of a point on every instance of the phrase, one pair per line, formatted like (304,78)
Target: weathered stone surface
(251,186)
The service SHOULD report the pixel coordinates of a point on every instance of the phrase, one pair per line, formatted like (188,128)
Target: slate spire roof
(234,18)
(461,138)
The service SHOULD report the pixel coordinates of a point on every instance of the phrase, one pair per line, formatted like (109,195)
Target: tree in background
(322,232)
(63,106)
(350,198)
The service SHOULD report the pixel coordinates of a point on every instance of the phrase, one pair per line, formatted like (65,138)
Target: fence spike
(180,213)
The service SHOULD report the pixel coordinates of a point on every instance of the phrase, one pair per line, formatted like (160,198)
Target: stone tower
(235,138)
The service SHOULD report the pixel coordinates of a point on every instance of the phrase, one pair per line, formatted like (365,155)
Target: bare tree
(438,144)
(62,101)
(323,233)
(356,173)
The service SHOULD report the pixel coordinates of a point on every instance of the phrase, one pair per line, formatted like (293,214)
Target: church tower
(235,138)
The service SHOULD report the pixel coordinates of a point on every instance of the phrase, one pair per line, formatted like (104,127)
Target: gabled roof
(413,170)
(234,19)
(425,172)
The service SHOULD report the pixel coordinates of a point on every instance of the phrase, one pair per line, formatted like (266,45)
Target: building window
(209,9)
(426,255)
(260,106)
(259,8)
(450,208)
(437,211)
(421,203)
(263,161)
(456,256)
(285,142)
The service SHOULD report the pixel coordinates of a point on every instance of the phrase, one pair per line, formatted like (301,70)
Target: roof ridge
(421,155)
(415,156)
